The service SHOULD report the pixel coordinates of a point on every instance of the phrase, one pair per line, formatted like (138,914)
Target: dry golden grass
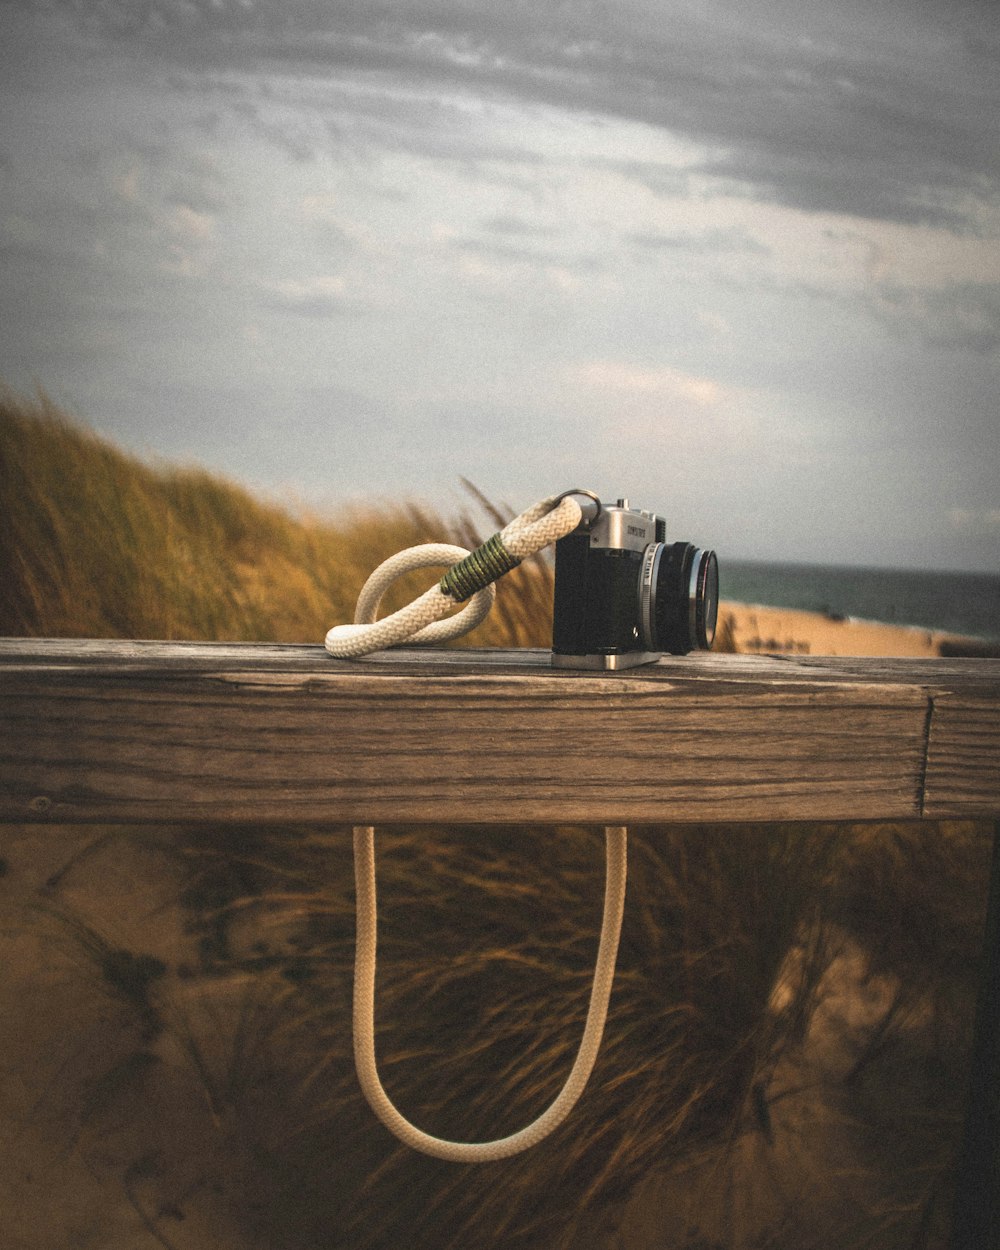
(95,543)
(487,942)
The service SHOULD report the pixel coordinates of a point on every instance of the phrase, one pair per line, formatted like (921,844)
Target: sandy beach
(757,629)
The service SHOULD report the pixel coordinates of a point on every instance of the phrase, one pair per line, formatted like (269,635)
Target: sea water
(955,603)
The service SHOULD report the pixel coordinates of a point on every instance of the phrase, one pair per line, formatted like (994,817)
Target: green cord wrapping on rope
(478,570)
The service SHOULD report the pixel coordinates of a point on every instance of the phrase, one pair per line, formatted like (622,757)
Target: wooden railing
(125,732)
(134,731)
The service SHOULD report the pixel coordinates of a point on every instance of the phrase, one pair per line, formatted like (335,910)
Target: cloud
(713,241)
(324,295)
(189,223)
(883,112)
(660,383)
(505,255)
(959,315)
(510,225)
(325,209)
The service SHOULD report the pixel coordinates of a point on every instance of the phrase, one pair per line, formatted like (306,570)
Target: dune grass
(243,1047)
(487,950)
(96,543)
(486,941)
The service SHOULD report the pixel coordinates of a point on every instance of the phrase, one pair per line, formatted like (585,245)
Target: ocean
(956,603)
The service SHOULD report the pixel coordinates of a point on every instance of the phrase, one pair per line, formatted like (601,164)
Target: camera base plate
(605,663)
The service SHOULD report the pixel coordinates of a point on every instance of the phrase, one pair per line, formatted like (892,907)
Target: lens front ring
(703,599)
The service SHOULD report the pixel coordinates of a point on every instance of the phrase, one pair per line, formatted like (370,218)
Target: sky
(739,262)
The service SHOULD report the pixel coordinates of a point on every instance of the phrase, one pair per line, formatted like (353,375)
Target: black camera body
(623,595)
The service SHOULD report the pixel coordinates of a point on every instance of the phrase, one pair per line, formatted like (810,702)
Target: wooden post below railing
(124,732)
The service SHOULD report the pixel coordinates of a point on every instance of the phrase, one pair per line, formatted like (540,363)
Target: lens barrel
(678,598)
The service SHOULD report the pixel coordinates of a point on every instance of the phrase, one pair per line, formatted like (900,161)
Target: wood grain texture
(134,731)
(963,756)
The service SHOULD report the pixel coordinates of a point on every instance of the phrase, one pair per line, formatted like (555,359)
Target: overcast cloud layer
(738,261)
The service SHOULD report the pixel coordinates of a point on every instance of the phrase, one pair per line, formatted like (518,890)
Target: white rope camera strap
(422,621)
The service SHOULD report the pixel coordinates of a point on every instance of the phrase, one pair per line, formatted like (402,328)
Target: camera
(624,595)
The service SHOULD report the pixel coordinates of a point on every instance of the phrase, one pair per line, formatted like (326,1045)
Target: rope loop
(471,575)
(616,837)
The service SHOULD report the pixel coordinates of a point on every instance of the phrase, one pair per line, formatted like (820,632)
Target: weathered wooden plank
(963,755)
(113,731)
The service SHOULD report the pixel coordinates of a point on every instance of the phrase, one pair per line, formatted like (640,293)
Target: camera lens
(678,598)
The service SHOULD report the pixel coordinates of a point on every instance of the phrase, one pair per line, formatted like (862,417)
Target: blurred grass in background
(96,543)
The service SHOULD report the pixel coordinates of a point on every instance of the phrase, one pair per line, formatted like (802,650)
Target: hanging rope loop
(590,1043)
